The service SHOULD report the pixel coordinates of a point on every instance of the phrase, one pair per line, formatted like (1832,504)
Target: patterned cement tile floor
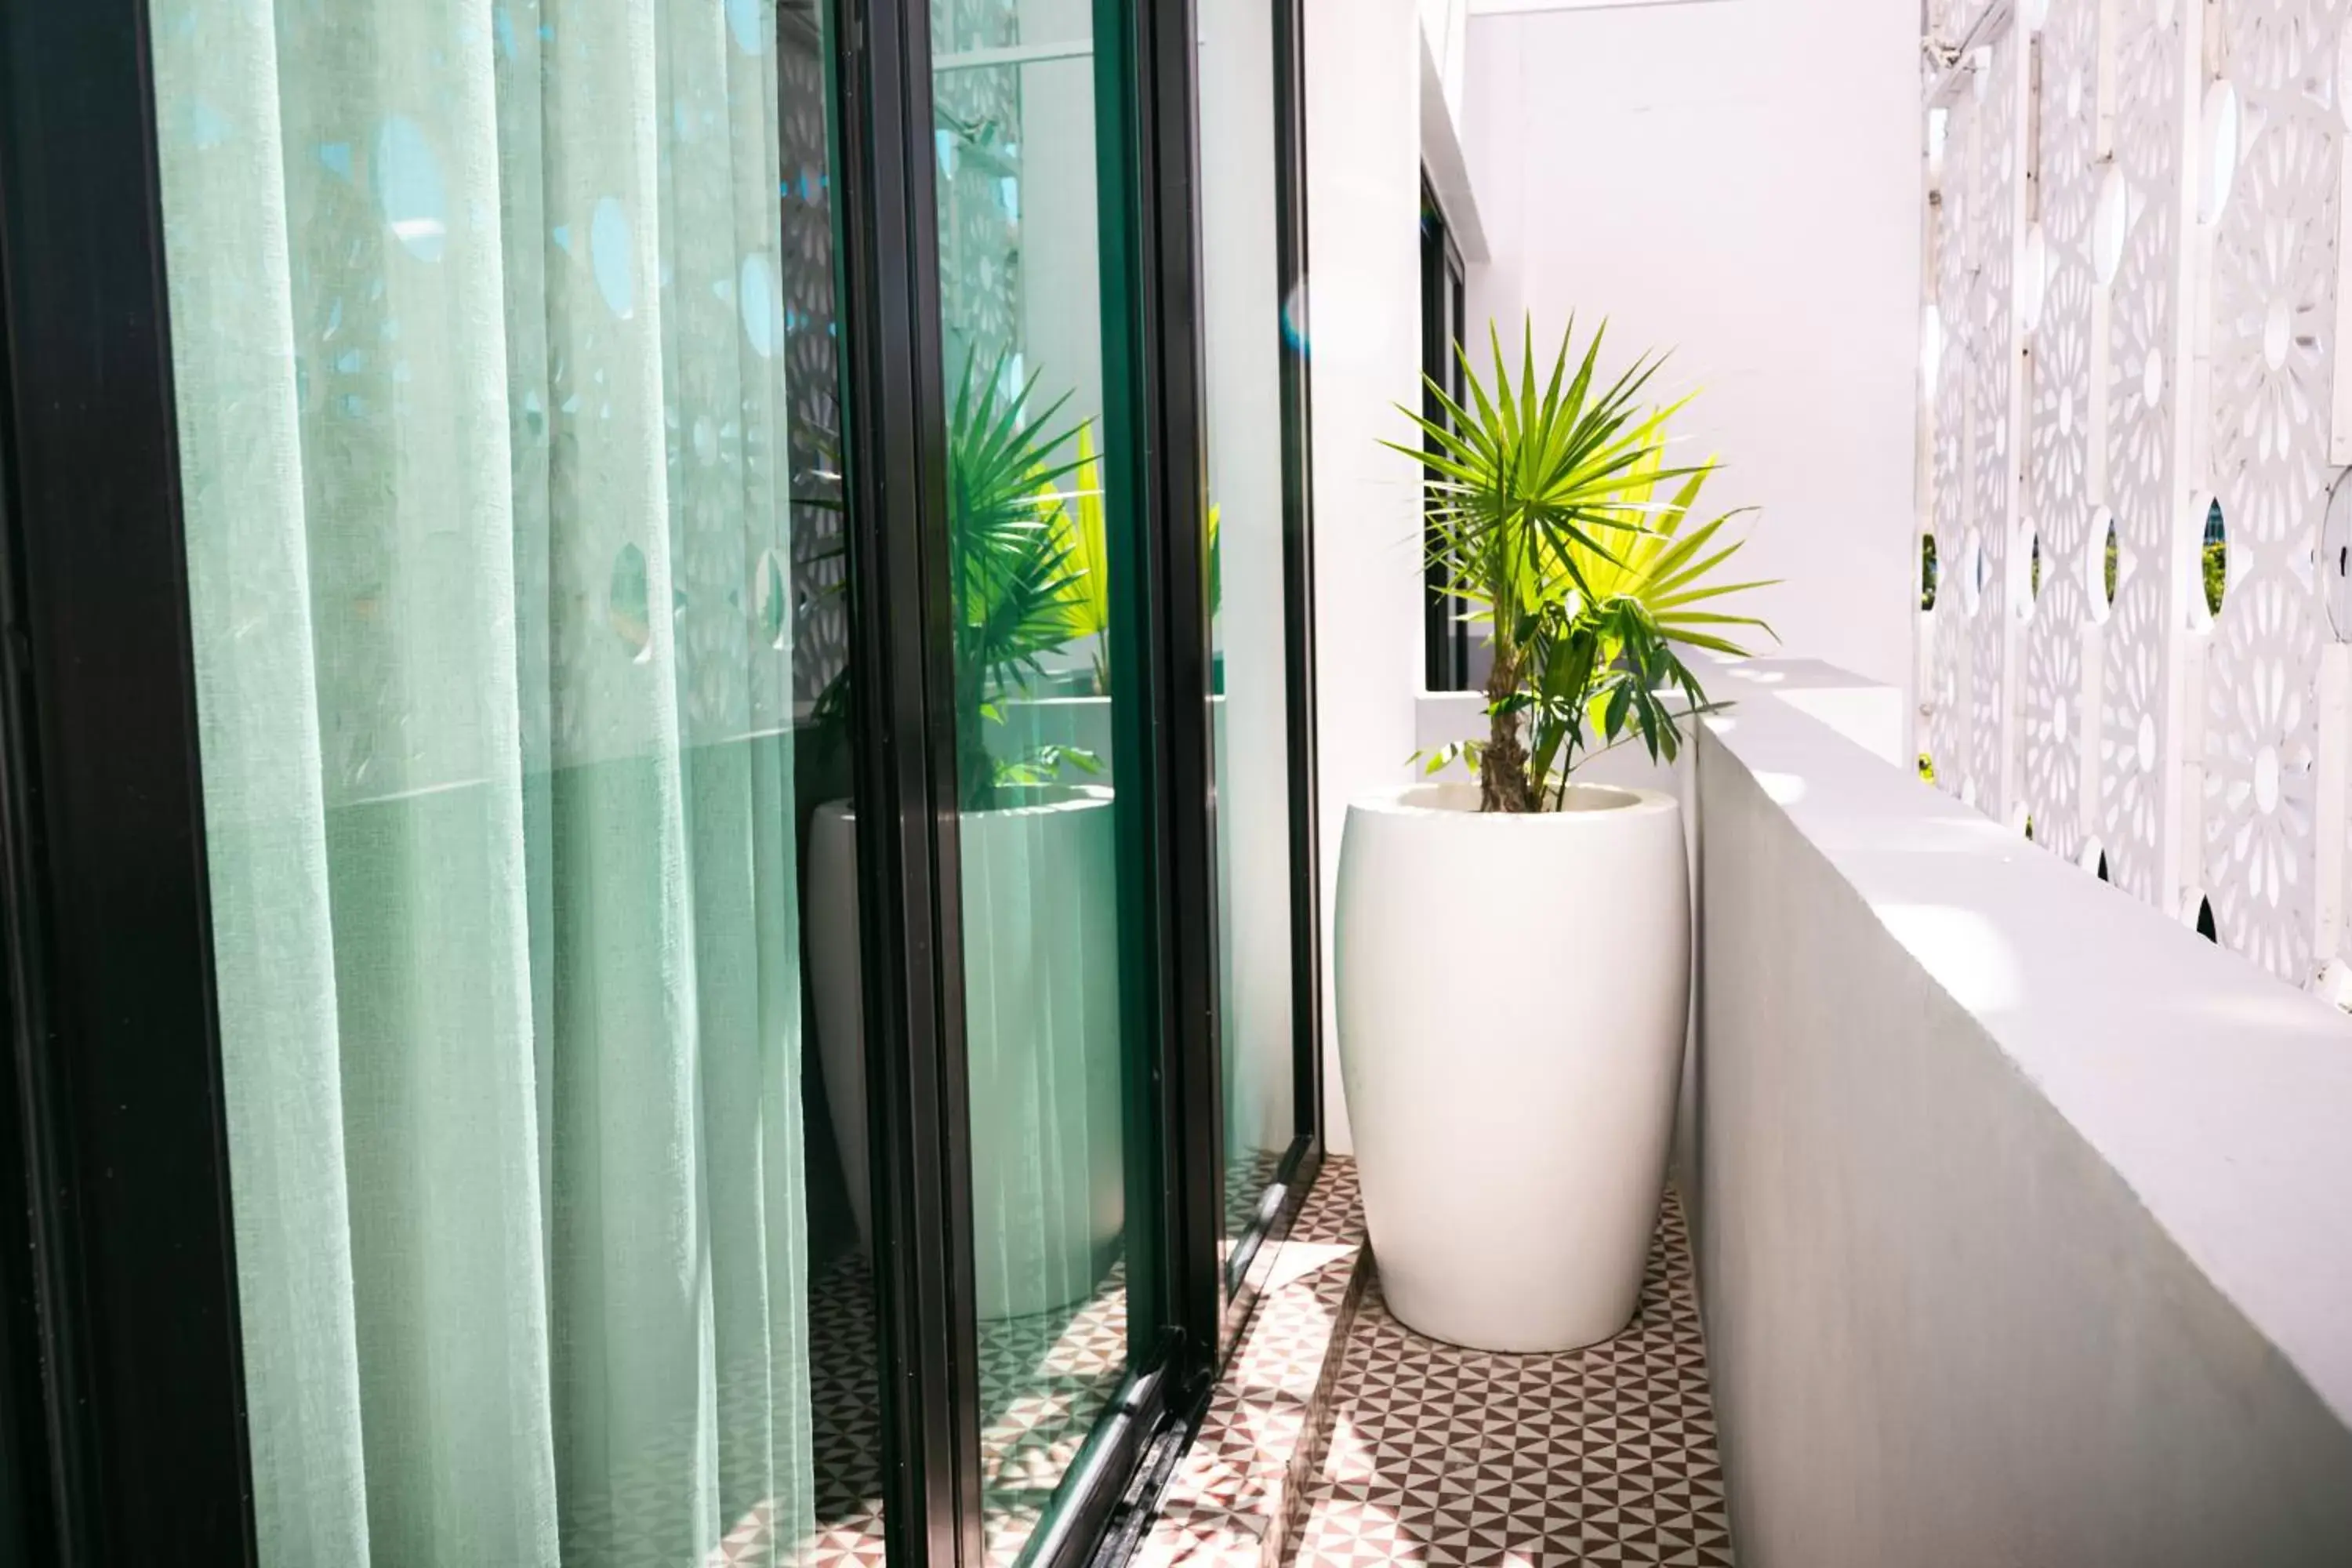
(1233,1500)
(1459,1458)
(1043,1381)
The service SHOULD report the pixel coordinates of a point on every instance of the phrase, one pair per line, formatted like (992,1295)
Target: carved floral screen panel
(2132,301)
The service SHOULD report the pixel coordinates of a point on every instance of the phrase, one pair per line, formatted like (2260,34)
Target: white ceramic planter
(1041,1021)
(1512,993)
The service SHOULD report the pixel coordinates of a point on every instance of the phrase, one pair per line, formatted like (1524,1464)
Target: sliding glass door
(656,783)
(1051,1056)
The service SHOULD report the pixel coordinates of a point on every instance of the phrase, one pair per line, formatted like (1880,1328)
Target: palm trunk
(1503,772)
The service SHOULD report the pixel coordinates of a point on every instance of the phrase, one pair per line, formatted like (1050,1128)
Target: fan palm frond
(1555,512)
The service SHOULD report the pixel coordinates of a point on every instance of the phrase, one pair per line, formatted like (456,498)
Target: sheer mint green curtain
(477,341)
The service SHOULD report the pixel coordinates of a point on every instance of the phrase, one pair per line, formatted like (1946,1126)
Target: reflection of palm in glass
(1081,518)
(1039,858)
(1018,573)
(1039,881)
(1031,579)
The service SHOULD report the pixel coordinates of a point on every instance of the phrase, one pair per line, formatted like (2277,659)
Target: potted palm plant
(1039,890)
(1513,952)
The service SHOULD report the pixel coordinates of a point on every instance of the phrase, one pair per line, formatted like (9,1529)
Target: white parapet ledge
(2220,1096)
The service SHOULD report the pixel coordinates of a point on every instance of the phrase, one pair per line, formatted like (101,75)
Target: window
(1445,630)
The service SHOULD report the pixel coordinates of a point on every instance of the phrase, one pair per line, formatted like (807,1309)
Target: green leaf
(1557,515)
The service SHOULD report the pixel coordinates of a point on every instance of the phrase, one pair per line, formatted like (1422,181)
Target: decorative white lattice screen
(2133,296)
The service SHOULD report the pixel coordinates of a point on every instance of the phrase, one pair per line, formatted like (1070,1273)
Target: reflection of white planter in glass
(1252,848)
(1040,1026)
(1512,994)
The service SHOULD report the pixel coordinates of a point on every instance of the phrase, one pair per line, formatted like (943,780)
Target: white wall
(1444,28)
(1061,284)
(1739,180)
(1363,325)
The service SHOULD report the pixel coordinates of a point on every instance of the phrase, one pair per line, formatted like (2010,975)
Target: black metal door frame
(141,1455)
(902,681)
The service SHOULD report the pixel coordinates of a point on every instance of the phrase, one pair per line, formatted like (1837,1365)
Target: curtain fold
(477,343)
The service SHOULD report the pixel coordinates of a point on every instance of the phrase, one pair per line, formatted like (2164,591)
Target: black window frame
(1445,635)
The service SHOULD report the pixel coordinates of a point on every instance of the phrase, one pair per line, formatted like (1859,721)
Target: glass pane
(1250,704)
(1013,103)
(505,376)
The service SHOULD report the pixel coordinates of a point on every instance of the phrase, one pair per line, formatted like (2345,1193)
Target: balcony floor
(1441,1455)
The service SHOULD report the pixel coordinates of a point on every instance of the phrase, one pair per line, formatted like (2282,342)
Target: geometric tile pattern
(846,1417)
(1337,1437)
(1240,1490)
(1248,1173)
(1341,1438)
(1440,1455)
(1043,1381)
